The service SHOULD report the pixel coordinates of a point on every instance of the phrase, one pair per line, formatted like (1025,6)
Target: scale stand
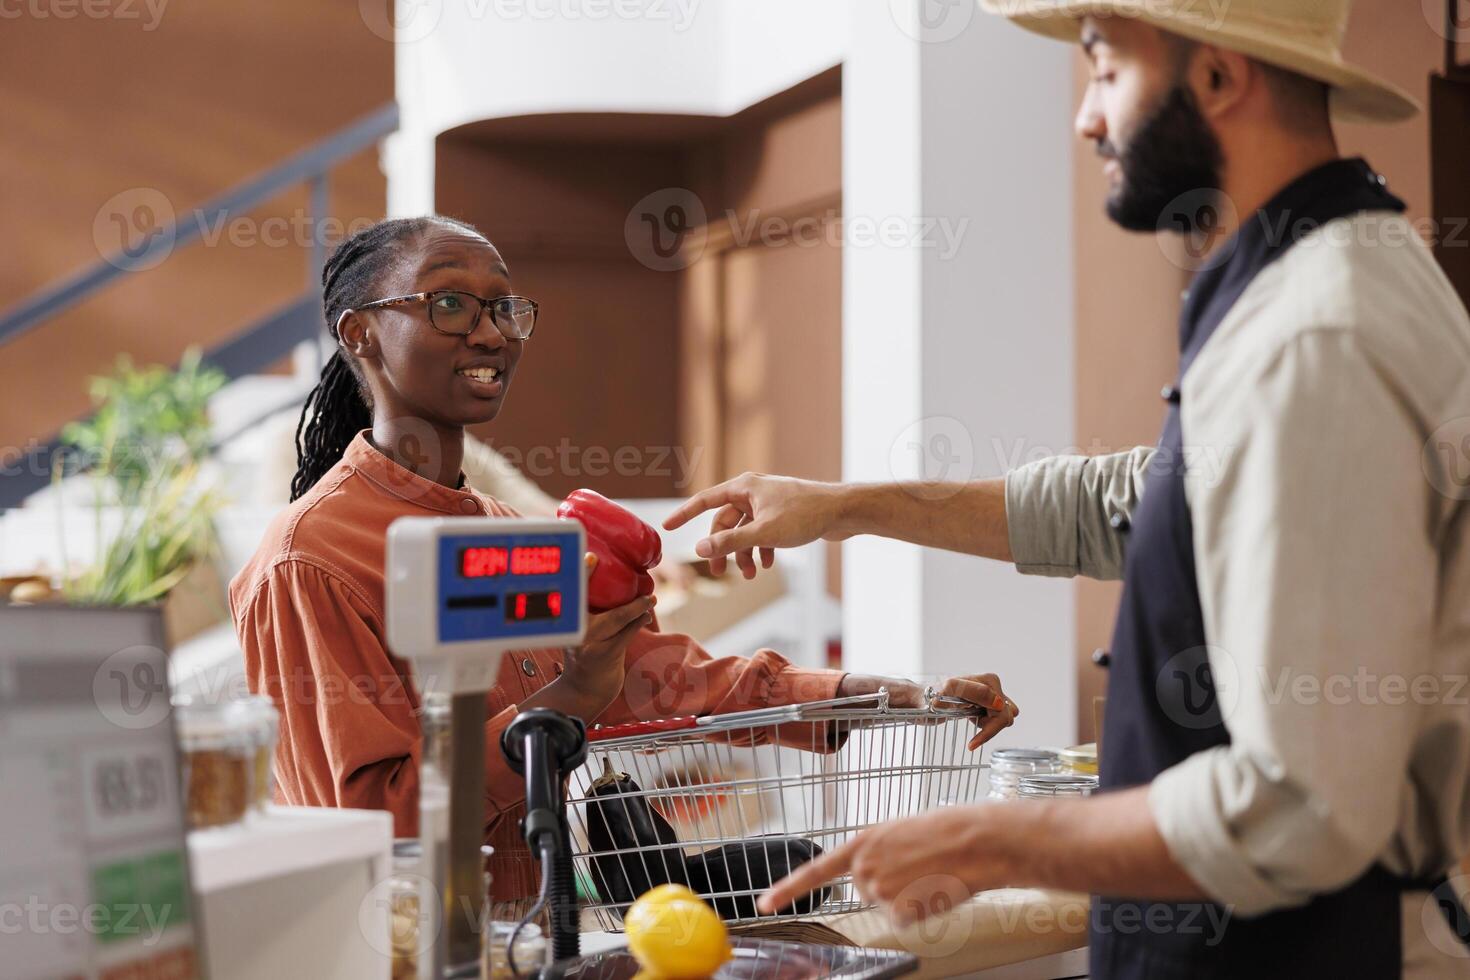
(460,593)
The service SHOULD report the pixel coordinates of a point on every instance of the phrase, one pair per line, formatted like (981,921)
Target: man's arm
(1109,844)
(1052,517)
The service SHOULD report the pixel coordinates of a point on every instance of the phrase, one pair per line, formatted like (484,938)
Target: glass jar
(1049,785)
(434,720)
(265,722)
(1007,766)
(404,909)
(216,749)
(1080,760)
(530,950)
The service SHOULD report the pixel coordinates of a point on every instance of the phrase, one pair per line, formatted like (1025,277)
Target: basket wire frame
(771,778)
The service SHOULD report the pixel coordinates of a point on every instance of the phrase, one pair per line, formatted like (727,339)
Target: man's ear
(355,335)
(1219,79)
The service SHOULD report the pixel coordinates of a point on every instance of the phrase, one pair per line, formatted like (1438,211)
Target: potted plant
(143,450)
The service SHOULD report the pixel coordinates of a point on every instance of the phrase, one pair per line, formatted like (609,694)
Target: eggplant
(619,818)
(748,869)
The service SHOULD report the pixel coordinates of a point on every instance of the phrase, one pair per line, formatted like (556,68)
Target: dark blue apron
(1161,702)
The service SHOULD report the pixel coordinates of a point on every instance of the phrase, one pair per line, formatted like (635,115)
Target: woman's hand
(980,689)
(594,672)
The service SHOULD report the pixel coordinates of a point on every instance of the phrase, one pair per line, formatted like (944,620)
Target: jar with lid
(530,950)
(405,909)
(265,723)
(216,749)
(1008,766)
(1050,785)
(1080,759)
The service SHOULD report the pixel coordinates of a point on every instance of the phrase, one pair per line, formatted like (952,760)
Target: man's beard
(1170,169)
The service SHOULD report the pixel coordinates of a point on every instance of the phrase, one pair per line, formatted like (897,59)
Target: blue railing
(257,345)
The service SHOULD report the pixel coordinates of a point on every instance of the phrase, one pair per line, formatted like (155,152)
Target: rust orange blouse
(308,609)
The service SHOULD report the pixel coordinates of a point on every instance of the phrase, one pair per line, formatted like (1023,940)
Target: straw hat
(1304,36)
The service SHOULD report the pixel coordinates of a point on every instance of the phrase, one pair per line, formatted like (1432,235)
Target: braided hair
(340,406)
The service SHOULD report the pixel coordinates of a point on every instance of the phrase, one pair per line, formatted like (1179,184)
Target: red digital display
(483,562)
(523,607)
(491,562)
(535,561)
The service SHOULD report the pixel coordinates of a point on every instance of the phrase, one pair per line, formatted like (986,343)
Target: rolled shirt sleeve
(1060,512)
(1317,584)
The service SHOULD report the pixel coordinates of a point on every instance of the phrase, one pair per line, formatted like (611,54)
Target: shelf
(286,841)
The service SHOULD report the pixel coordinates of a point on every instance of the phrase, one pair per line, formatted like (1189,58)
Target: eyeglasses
(458,314)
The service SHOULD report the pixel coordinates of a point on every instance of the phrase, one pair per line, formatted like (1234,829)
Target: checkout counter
(105,881)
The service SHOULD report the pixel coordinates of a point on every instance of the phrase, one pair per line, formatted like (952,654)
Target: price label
(128,790)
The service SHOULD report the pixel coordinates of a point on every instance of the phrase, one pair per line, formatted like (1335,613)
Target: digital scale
(460,593)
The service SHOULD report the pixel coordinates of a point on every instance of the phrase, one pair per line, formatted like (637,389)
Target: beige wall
(734,358)
(214,93)
(1128,294)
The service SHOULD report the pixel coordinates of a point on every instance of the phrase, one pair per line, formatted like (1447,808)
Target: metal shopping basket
(728,804)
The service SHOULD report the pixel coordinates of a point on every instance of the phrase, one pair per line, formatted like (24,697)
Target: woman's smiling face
(417,371)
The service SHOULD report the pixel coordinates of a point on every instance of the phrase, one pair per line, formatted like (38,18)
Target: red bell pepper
(614,582)
(625,548)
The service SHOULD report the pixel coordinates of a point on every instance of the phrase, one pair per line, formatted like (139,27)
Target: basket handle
(600,733)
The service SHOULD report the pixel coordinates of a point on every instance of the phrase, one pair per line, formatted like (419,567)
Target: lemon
(667,893)
(675,936)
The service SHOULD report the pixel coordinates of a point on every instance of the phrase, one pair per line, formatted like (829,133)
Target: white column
(957,331)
